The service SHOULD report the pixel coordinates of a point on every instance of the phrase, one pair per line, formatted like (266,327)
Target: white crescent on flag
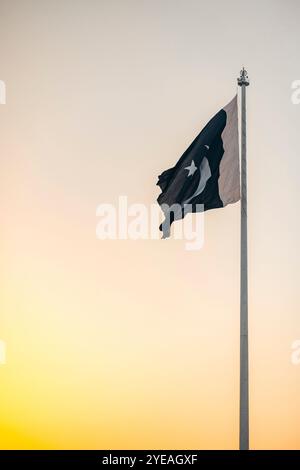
(205,174)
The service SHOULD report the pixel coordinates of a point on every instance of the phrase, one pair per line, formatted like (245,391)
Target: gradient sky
(123,344)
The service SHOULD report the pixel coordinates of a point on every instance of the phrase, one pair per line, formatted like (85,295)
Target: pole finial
(243,78)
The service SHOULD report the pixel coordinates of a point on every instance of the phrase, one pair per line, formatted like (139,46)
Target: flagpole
(243,82)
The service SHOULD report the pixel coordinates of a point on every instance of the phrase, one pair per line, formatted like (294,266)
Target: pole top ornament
(243,78)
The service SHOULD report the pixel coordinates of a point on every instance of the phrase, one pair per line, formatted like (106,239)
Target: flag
(207,173)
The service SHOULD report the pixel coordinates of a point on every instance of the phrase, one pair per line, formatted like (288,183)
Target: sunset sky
(128,344)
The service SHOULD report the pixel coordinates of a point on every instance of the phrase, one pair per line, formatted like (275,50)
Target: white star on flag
(192,168)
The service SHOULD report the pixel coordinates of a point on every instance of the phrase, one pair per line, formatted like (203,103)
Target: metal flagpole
(243,82)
